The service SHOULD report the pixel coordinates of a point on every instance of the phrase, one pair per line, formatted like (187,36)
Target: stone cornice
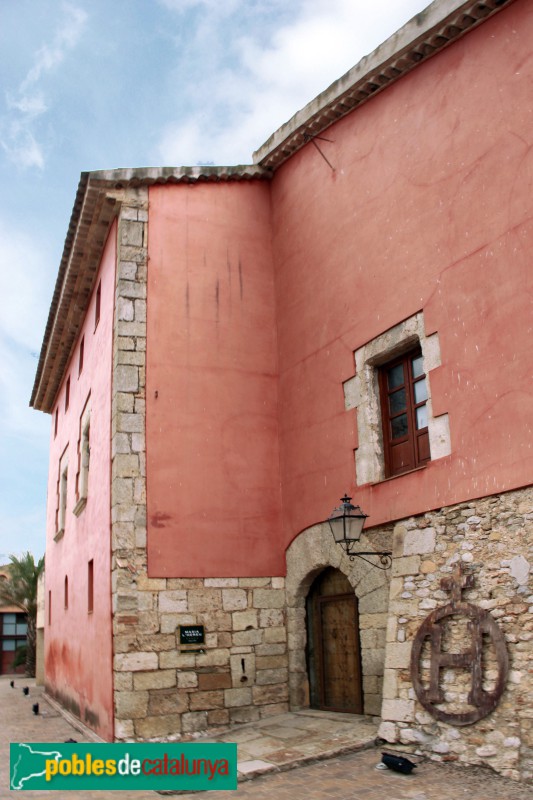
(148,176)
(429,32)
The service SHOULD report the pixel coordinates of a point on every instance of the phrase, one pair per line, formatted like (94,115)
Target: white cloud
(266,84)
(16,381)
(23,312)
(21,146)
(51,55)
(226,8)
(25,284)
(17,133)
(31,106)
(24,433)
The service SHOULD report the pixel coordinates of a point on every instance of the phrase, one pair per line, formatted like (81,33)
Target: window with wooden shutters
(403,389)
(90,587)
(84,451)
(61,495)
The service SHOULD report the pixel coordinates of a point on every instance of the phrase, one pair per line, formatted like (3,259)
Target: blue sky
(98,84)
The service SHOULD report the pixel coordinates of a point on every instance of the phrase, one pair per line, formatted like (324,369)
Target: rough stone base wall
(493,537)
(162,690)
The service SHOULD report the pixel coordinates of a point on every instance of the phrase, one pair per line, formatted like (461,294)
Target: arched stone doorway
(308,555)
(333,647)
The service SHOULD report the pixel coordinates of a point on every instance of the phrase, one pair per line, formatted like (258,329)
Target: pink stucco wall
(213,488)
(254,283)
(78,656)
(429,208)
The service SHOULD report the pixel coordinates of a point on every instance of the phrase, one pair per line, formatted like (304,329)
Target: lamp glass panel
(354,527)
(337,528)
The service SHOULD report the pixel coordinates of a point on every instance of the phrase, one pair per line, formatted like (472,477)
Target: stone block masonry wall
(160,692)
(241,675)
(493,538)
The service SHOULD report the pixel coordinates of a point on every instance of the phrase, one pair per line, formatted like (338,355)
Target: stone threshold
(276,736)
(247,770)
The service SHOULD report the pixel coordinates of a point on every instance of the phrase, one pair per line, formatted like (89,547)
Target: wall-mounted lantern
(346,523)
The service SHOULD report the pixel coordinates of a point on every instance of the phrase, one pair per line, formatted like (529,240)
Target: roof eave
(95,207)
(90,221)
(425,35)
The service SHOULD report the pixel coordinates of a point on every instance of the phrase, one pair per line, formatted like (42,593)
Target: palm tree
(20,590)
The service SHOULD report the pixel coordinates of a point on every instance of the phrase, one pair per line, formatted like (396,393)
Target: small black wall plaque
(192,634)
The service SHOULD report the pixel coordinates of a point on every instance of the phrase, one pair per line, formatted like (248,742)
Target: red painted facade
(213,488)
(260,291)
(78,647)
(427,209)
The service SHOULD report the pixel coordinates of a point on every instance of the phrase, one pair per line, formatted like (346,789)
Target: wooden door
(6,662)
(334,656)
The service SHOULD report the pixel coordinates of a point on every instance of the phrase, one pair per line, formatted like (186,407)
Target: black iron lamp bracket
(385,557)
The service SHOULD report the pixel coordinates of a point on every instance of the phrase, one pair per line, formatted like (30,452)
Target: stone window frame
(62,494)
(84,456)
(361,392)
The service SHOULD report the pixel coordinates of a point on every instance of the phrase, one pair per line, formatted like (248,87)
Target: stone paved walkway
(354,777)
(280,742)
(282,748)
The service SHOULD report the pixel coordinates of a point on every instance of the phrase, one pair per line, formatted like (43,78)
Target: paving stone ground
(355,777)
(351,776)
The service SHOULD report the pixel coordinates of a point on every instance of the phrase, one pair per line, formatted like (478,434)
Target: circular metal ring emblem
(479,624)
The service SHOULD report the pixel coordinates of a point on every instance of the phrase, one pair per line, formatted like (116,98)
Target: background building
(40,622)
(230,349)
(13,629)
